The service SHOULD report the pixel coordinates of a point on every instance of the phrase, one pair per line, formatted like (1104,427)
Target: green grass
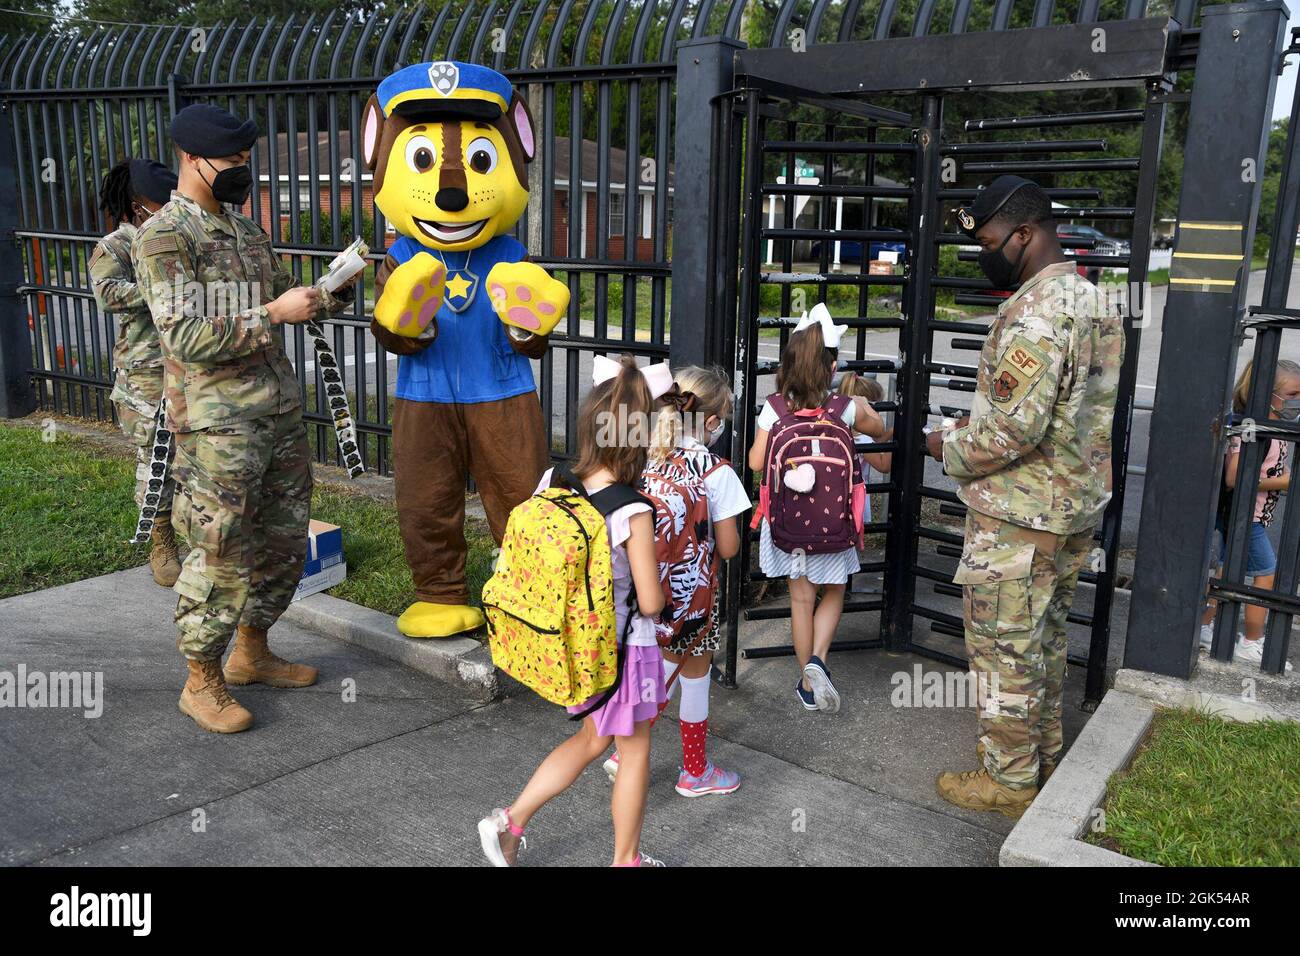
(67,511)
(1204,791)
(378,576)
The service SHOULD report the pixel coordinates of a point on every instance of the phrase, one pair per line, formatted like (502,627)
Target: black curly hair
(115,195)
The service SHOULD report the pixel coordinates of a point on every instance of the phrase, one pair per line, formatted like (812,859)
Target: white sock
(695,699)
(669,667)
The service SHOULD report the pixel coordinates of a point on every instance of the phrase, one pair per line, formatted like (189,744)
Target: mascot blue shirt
(456,368)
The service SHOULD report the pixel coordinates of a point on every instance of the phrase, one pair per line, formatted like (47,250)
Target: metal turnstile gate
(905,167)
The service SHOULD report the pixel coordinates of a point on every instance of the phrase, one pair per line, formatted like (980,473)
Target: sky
(1286,82)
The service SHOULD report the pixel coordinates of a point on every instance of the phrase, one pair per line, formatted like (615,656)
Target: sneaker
(828,698)
(490,829)
(806,697)
(611,767)
(1251,652)
(1207,636)
(714,780)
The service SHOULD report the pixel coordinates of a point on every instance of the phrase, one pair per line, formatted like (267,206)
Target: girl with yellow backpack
(612,445)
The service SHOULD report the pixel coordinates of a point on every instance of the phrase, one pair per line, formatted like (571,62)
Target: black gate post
(1227,136)
(901,543)
(705,69)
(16,395)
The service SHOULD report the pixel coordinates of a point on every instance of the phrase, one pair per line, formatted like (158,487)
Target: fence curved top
(517,36)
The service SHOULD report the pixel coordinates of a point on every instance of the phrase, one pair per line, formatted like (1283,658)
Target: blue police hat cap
(447,88)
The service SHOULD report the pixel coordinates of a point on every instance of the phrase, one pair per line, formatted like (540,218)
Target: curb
(460,661)
(1048,833)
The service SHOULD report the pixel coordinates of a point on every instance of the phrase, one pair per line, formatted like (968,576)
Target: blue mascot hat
(445,88)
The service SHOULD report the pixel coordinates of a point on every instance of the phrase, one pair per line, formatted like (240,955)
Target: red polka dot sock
(694,758)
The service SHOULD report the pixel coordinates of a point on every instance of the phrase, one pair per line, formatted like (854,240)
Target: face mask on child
(716,435)
(1290,410)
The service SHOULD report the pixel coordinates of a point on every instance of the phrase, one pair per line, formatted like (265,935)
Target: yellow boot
(251,662)
(976,790)
(426,619)
(206,700)
(164,562)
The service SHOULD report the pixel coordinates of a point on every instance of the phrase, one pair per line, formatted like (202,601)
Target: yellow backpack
(550,601)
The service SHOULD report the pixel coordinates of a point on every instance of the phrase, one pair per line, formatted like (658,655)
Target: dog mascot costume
(449,144)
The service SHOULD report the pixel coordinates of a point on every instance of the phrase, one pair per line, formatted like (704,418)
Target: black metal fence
(629,167)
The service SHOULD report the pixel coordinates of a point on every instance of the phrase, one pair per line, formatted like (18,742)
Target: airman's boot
(164,562)
(976,790)
(251,662)
(206,699)
(1045,767)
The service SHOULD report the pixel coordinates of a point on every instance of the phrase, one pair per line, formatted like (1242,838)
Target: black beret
(152,180)
(987,202)
(202,129)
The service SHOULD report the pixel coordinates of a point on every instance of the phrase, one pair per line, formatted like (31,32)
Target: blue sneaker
(805,696)
(819,678)
(714,780)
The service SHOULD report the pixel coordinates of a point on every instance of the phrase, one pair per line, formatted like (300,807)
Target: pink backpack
(812,491)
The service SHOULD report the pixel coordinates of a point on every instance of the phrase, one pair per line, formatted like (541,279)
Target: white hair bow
(820,315)
(658,378)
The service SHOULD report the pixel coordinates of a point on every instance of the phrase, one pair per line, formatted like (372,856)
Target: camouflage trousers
(139,428)
(243,502)
(1018,585)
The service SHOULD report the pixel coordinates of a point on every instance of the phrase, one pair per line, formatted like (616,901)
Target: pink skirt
(638,696)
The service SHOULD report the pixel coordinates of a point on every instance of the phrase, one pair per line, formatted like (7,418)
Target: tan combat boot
(164,562)
(206,699)
(251,662)
(1045,767)
(976,790)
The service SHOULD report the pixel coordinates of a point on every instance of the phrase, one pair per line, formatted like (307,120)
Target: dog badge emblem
(444,77)
(966,219)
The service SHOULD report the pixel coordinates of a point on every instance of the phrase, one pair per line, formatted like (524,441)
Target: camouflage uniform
(243,466)
(137,356)
(1033,467)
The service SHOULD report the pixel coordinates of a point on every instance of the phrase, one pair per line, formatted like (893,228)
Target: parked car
(1102,245)
(851,250)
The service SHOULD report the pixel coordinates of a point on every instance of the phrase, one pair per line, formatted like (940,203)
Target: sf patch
(1023,364)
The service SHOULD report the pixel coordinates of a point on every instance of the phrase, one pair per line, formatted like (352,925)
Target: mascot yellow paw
(412,296)
(524,296)
(425,619)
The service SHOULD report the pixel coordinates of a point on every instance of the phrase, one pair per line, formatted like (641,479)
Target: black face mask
(1000,272)
(231,185)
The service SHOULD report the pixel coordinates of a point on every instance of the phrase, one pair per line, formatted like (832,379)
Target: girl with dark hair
(610,455)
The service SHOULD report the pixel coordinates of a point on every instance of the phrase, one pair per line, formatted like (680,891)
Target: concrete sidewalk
(401,775)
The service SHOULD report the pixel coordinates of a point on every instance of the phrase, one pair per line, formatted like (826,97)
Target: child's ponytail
(804,374)
(613,424)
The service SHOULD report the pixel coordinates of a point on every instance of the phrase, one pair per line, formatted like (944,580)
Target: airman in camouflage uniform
(1033,466)
(132,191)
(243,467)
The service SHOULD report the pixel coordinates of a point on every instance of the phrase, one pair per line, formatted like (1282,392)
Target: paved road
(402,774)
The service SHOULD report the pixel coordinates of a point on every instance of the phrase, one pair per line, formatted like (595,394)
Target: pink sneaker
(714,780)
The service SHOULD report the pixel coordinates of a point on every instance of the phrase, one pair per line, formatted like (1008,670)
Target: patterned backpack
(550,601)
(812,491)
(683,542)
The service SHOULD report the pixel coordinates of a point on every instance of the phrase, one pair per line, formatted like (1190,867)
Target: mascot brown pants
(502,444)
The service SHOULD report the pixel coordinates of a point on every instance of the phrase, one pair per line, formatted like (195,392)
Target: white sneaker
(611,767)
(1251,652)
(490,829)
(1207,636)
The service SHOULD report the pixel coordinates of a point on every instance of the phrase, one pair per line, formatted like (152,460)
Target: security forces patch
(1023,363)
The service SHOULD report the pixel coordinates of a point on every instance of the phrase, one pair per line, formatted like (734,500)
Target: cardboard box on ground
(325,566)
